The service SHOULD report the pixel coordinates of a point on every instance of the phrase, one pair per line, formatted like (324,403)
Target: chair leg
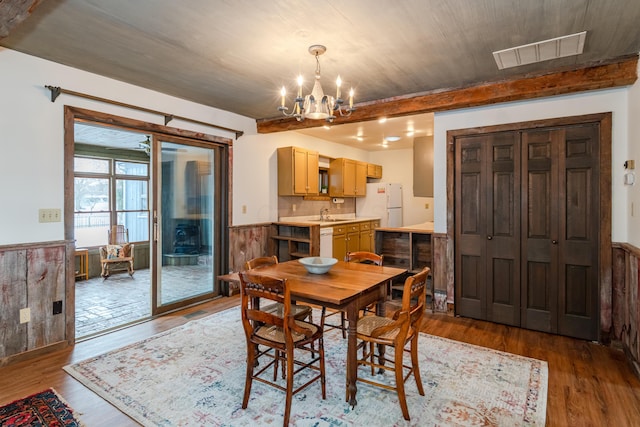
(400,384)
(288,399)
(251,361)
(344,325)
(416,365)
(323,377)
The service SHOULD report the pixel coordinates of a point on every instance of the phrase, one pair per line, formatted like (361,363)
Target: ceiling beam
(13,12)
(619,72)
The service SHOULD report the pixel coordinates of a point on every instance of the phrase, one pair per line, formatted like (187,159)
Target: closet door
(487,210)
(540,229)
(560,224)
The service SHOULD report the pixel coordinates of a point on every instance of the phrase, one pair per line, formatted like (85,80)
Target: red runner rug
(44,409)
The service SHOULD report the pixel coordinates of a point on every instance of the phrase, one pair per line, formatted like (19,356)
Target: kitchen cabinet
(366,237)
(374,171)
(294,240)
(404,248)
(348,238)
(297,171)
(347,178)
(339,242)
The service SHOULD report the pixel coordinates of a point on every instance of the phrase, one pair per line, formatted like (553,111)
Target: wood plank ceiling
(406,57)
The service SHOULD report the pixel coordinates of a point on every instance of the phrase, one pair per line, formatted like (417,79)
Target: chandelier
(316,105)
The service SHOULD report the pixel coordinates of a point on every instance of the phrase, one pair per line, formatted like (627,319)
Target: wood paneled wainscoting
(625,303)
(247,242)
(33,284)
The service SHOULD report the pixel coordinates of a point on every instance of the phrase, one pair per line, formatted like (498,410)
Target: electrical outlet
(25,315)
(426,205)
(49,215)
(57,307)
(244,209)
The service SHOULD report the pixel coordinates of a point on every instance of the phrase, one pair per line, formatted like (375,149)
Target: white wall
(614,100)
(397,166)
(633,192)
(255,173)
(31,142)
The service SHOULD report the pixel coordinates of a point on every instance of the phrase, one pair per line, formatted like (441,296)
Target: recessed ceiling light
(392,138)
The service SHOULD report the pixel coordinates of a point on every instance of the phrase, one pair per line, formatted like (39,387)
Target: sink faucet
(324,213)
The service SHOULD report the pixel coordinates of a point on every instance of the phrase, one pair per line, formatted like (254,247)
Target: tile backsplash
(296,206)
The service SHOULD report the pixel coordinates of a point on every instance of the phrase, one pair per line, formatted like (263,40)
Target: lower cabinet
(293,240)
(353,237)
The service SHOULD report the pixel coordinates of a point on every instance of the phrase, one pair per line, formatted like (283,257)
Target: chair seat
(367,324)
(276,334)
(299,311)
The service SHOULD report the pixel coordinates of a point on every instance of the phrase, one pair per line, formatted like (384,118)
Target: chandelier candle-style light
(316,105)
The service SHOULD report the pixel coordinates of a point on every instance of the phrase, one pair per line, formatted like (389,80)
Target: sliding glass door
(184,222)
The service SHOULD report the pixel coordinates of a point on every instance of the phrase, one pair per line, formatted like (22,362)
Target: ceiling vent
(540,51)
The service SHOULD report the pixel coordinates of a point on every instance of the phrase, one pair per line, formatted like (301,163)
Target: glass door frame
(219,227)
(223,188)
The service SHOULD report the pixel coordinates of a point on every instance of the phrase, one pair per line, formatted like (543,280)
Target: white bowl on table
(317,265)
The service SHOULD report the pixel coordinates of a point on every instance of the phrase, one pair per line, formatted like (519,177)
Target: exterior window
(110,192)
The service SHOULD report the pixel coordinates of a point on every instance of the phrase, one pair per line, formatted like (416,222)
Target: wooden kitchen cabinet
(366,237)
(294,240)
(297,171)
(374,171)
(339,242)
(347,178)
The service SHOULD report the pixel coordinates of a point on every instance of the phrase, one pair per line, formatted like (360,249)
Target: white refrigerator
(383,200)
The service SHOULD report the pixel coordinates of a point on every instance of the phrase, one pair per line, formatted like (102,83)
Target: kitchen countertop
(424,227)
(335,220)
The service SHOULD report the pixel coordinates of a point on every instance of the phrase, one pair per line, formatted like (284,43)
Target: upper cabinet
(347,178)
(297,171)
(374,171)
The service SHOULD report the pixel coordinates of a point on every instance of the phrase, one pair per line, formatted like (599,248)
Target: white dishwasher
(326,242)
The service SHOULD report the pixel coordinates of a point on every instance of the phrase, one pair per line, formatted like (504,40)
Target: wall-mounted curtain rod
(57,91)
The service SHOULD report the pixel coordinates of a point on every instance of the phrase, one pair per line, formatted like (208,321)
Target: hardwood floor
(589,384)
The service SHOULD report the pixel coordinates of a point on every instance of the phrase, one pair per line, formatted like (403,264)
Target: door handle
(555,242)
(489,237)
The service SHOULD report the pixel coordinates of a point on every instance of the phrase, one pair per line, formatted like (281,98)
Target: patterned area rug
(194,375)
(44,409)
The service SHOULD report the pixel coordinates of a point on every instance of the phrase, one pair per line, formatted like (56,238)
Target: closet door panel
(539,230)
(470,234)
(503,227)
(578,309)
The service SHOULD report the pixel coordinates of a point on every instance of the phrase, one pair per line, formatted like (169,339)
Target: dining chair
(269,336)
(394,334)
(300,311)
(357,256)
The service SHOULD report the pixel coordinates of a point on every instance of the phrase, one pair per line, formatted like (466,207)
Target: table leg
(352,356)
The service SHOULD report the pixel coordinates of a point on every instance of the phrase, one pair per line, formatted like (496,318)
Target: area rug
(44,409)
(193,375)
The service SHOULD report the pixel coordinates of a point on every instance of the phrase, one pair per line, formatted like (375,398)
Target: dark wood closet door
(487,240)
(540,229)
(579,265)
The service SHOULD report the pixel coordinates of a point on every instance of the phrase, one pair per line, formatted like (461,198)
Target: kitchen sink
(330,220)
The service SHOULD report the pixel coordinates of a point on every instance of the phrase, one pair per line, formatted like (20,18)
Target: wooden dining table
(349,287)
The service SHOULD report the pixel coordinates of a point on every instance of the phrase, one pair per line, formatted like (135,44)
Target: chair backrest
(258,262)
(414,296)
(256,287)
(364,257)
(253,289)
(118,235)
